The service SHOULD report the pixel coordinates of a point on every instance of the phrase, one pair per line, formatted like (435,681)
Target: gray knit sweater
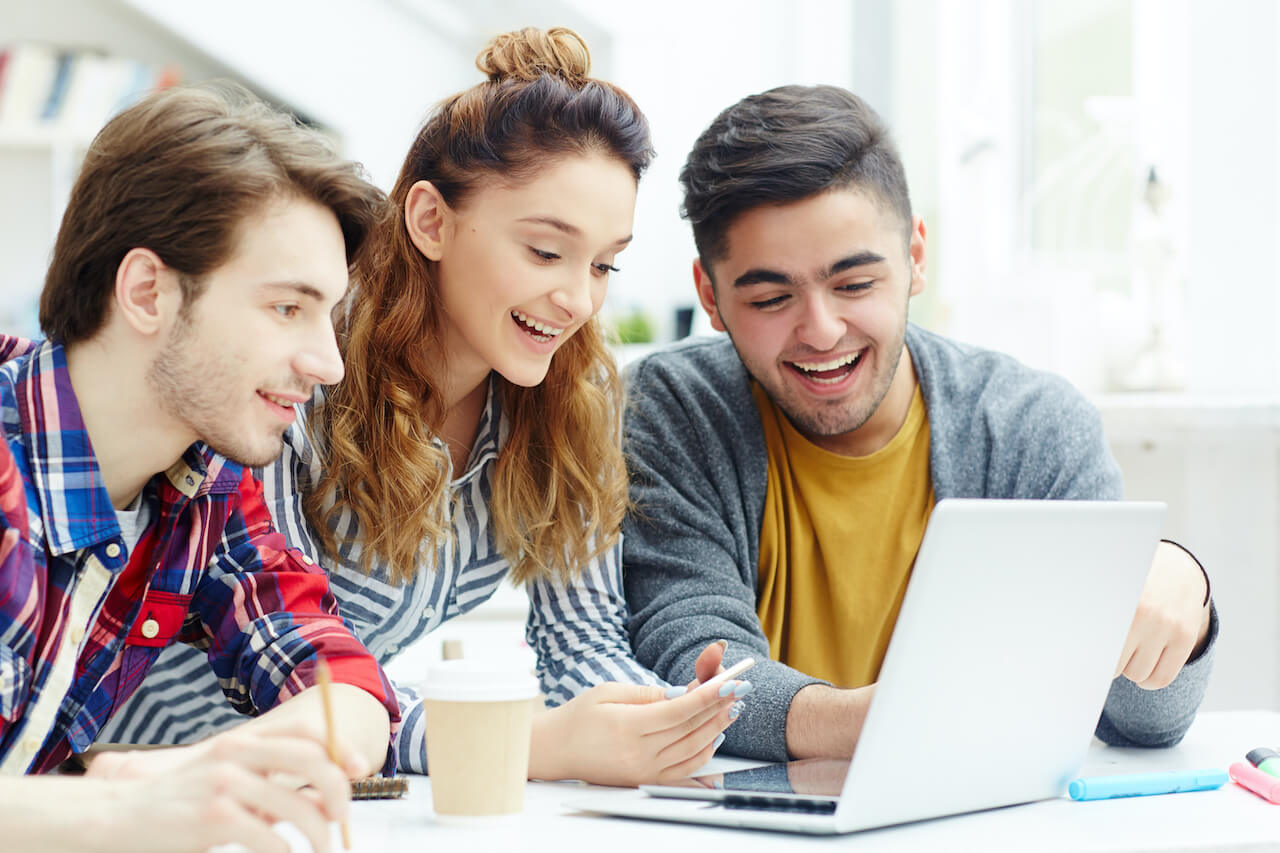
(691,547)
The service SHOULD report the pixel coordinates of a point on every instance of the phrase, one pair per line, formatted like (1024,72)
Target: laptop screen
(811,777)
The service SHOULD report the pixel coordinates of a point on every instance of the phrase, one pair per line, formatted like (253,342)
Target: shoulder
(703,377)
(961,381)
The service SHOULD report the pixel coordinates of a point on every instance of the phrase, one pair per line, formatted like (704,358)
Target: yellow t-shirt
(839,537)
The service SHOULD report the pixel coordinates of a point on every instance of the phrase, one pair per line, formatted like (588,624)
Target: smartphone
(732,672)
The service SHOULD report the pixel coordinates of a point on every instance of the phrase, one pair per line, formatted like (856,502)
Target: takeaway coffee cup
(478,720)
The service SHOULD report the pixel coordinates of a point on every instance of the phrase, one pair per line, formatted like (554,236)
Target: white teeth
(547,331)
(815,367)
(288,404)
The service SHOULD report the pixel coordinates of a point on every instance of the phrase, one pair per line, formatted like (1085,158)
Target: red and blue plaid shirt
(82,619)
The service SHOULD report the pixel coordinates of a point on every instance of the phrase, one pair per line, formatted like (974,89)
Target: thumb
(709,662)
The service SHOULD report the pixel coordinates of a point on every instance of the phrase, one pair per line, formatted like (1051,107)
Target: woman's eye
(544,255)
(605,269)
(287,311)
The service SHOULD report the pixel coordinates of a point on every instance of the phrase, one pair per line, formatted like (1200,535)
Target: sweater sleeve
(1063,455)
(688,555)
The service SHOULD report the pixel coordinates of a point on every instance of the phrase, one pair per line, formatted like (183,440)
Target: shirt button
(428,611)
(150,629)
(31,745)
(308,560)
(113,550)
(76,635)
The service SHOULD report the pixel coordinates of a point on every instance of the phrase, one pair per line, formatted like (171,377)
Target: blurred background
(1099,180)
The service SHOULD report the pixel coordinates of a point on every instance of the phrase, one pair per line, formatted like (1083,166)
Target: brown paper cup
(478,723)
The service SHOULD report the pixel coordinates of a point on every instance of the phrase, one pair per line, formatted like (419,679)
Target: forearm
(360,721)
(34,814)
(825,722)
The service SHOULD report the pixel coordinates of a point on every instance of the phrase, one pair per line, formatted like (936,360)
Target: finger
(693,706)
(229,822)
(1143,662)
(684,768)
(106,765)
(709,662)
(684,745)
(1170,663)
(297,757)
(626,694)
(302,808)
(717,712)
(1130,644)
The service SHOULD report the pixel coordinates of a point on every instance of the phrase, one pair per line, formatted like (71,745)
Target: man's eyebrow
(760,275)
(299,287)
(857,259)
(565,227)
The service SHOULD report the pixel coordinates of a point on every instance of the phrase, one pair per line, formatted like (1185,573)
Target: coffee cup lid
(477,681)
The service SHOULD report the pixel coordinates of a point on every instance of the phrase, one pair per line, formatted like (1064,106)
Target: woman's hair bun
(529,53)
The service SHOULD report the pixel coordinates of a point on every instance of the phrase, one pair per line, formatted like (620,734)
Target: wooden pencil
(331,742)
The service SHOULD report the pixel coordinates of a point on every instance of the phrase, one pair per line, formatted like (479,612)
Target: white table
(1229,818)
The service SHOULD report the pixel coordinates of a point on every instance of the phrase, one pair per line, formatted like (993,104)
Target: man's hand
(628,734)
(229,789)
(1172,621)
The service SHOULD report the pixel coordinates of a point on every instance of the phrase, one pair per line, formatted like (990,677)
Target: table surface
(1228,818)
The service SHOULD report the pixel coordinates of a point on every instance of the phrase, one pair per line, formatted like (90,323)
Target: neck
(132,437)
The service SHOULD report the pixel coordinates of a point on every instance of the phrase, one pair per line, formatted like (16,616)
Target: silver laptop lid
(1001,658)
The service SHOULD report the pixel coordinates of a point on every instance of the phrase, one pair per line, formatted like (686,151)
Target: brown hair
(784,145)
(177,174)
(559,489)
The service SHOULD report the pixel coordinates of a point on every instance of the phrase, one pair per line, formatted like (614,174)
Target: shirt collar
(75,508)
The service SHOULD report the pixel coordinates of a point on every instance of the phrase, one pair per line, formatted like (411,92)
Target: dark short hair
(785,145)
(177,174)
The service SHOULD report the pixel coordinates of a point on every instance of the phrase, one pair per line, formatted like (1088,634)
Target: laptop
(995,676)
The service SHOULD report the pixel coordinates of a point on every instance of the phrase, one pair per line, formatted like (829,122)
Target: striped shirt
(578,630)
(84,615)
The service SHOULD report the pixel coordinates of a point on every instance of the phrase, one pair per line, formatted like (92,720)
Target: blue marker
(1143,784)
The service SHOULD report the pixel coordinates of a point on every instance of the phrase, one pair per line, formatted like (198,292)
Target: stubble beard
(834,418)
(192,390)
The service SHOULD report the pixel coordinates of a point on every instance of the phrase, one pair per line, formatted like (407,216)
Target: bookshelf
(67,66)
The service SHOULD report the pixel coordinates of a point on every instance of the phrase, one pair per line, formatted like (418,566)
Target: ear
(146,294)
(707,294)
(428,218)
(916,251)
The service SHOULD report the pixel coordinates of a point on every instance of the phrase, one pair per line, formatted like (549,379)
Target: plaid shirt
(82,619)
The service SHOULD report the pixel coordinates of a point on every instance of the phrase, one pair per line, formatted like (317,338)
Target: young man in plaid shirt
(187,308)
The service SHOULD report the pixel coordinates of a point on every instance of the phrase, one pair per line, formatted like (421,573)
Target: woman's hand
(628,734)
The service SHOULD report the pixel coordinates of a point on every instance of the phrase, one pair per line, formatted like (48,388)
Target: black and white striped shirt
(577,630)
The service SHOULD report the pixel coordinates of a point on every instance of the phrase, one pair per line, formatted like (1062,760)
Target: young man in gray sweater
(783,475)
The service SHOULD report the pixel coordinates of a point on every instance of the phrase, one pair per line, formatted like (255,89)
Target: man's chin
(250,457)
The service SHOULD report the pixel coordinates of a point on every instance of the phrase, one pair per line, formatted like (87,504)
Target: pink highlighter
(1263,784)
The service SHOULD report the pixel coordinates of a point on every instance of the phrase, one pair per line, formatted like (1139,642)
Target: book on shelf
(70,92)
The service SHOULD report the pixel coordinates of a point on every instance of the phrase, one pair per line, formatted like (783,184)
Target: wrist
(1204,574)
(546,746)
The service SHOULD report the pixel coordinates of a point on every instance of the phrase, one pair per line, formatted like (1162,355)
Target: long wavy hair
(559,489)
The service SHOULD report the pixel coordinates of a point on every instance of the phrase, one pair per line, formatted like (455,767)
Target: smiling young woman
(476,434)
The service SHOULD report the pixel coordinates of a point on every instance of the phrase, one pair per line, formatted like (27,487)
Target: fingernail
(736,709)
(678,690)
(719,740)
(724,644)
(743,688)
(728,687)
